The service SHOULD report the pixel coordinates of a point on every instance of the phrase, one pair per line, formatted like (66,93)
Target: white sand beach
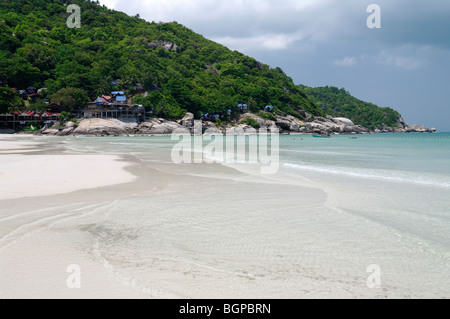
(23,175)
(31,259)
(139,226)
(45,175)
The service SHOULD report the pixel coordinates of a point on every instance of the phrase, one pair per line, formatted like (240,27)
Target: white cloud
(406,57)
(251,26)
(347,61)
(397,57)
(408,62)
(279,41)
(110,3)
(306,36)
(273,25)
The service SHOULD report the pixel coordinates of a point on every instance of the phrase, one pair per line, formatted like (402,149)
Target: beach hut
(46,116)
(34,96)
(31,90)
(6,119)
(269,108)
(242,108)
(24,117)
(139,88)
(100,101)
(121,99)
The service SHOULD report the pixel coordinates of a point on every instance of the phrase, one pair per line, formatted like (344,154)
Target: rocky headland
(285,124)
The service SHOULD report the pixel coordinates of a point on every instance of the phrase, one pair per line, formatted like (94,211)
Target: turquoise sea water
(334,207)
(409,158)
(400,181)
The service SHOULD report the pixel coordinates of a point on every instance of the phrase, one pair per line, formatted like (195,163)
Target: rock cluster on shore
(285,124)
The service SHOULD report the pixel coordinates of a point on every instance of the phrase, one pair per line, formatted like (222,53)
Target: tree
(199,75)
(18,71)
(39,106)
(253,106)
(9,100)
(64,116)
(70,98)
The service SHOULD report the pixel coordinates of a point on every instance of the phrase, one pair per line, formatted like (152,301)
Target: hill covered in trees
(339,103)
(181,70)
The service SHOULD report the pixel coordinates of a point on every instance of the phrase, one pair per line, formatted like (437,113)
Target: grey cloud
(327,42)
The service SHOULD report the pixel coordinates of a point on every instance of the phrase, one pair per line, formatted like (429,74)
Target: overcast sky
(404,65)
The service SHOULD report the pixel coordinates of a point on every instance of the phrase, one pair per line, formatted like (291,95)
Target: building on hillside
(6,121)
(121,100)
(49,117)
(31,90)
(34,97)
(242,108)
(20,120)
(269,108)
(139,88)
(115,106)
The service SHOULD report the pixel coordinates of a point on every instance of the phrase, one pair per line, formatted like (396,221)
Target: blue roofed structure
(121,99)
(269,108)
(242,107)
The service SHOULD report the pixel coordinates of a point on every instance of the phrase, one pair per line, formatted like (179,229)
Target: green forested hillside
(191,73)
(339,103)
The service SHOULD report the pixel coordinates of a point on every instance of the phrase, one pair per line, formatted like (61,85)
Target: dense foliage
(70,98)
(9,101)
(339,103)
(38,48)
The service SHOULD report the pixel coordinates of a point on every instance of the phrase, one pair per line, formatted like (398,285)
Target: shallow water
(334,207)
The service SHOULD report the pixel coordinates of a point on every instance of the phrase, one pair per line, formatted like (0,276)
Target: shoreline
(248,124)
(31,134)
(27,174)
(45,233)
(41,233)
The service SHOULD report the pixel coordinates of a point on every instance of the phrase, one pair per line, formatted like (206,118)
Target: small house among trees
(242,108)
